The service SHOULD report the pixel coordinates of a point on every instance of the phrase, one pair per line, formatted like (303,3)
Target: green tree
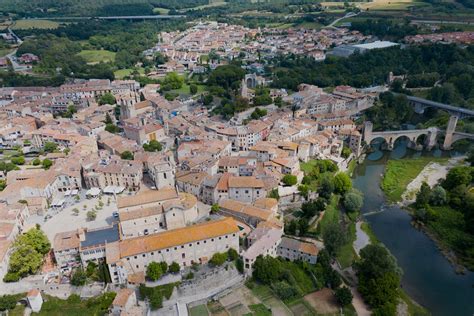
(342,183)
(111,128)
(127,155)
(152,146)
(107,98)
(343,295)
(218,259)
(79,277)
(215,208)
(164,266)
(36,162)
(457,176)
(346,152)
(37,239)
(353,201)
(174,267)
(284,290)
(50,147)
(91,215)
(423,195)
(326,186)
(25,260)
(274,194)
(18,160)
(173,81)
(3,185)
(46,163)
(232,254)
(7,302)
(334,237)
(289,180)
(193,89)
(313,208)
(154,271)
(227,76)
(267,269)
(438,196)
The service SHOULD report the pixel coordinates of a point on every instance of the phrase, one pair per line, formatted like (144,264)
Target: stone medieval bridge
(431,133)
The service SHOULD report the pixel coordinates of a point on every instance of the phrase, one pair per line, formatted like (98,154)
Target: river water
(428,277)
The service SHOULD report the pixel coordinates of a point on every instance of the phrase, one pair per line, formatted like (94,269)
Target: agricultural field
(97,56)
(162,11)
(34,24)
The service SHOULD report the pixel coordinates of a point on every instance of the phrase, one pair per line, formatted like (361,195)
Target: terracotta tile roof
(66,240)
(266,203)
(177,237)
(33,292)
(136,278)
(194,178)
(126,215)
(249,210)
(122,297)
(147,197)
(245,182)
(223,184)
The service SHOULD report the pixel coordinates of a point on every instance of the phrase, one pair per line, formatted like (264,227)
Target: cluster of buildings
(163,197)
(206,42)
(465,38)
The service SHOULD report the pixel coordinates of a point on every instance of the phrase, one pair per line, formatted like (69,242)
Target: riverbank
(399,173)
(431,174)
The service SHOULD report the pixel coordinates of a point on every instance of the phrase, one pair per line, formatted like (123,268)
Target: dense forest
(453,65)
(384,28)
(40,8)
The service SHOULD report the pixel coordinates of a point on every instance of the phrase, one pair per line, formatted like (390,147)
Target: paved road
(348,15)
(362,239)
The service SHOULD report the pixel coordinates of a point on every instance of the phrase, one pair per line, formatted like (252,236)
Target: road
(348,15)
(125,17)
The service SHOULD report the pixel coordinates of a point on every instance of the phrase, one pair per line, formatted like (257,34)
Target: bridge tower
(448,139)
(431,139)
(368,127)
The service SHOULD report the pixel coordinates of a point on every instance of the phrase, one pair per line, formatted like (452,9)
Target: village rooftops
(147,197)
(245,182)
(298,245)
(66,240)
(177,237)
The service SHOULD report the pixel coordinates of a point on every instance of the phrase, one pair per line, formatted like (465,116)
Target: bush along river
(428,277)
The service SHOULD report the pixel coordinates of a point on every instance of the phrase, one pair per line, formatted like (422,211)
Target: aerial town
(218,167)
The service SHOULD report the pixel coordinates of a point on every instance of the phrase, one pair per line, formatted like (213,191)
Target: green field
(162,11)
(75,306)
(331,213)
(184,90)
(122,73)
(399,173)
(5,51)
(200,310)
(34,24)
(97,56)
(346,255)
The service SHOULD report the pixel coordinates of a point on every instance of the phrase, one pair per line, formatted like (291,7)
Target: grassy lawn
(399,173)
(259,310)
(5,51)
(200,310)
(306,167)
(331,213)
(35,24)
(448,227)
(97,56)
(19,310)
(346,255)
(75,306)
(366,228)
(163,11)
(122,73)
(184,90)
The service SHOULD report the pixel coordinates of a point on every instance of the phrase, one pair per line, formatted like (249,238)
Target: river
(428,277)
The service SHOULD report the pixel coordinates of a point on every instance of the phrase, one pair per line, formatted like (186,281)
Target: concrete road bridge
(422,104)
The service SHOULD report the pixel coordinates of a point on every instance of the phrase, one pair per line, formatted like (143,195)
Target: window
(182,247)
(198,243)
(183,255)
(143,255)
(175,248)
(135,257)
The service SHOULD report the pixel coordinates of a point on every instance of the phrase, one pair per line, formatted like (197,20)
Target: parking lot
(66,218)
